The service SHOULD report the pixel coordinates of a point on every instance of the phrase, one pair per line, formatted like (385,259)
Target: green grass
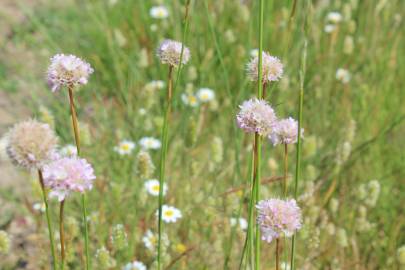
(110,105)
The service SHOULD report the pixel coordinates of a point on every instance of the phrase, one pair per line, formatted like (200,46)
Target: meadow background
(352,185)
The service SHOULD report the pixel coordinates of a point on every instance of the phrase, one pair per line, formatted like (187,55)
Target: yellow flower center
(169,213)
(155,188)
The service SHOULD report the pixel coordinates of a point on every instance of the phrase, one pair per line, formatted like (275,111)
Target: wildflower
(155,85)
(189,99)
(135,265)
(31,144)
(170,214)
(343,152)
(374,189)
(271,66)
(159,12)
(205,95)
(341,237)
(278,217)
(334,205)
(329,28)
(256,115)
(285,132)
(150,240)
(67,70)
(285,266)
(152,187)
(149,143)
(40,207)
(4,242)
(119,237)
(125,147)
(334,17)
(343,75)
(169,52)
(104,259)
(243,224)
(69,150)
(254,53)
(68,174)
(217,150)
(180,248)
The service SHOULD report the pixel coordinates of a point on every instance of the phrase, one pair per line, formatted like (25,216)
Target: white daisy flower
(150,240)
(329,28)
(135,265)
(243,224)
(69,150)
(189,99)
(40,207)
(254,53)
(152,187)
(205,95)
(343,75)
(155,85)
(142,111)
(125,147)
(150,143)
(334,17)
(170,214)
(159,12)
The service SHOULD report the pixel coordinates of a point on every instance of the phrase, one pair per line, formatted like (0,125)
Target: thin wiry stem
(84,207)
(285,169)
(278,254)
(48,219)
(62,235)
(298,158)
(165,138)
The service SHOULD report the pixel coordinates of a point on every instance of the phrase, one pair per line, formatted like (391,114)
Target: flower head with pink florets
(278,218)
(256,115)
(67,70)
(271,66)
(285,132)
(68,174)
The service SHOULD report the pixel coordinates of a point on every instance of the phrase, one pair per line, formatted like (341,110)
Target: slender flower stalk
(48,219)
(278,254)
(165,132)
(84,207)
(62,235)
(285,188)
(299,139)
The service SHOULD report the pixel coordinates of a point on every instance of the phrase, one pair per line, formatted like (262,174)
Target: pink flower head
(278,218)
(67,70)
(271,66)
(68,174)
(256,115)
(285,132)
(169,52)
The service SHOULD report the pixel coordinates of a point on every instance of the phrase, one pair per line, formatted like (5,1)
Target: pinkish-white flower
(285,132)
(67,70)
(68,174)
(256,115)
(169,52)
(272,68)
(278,218)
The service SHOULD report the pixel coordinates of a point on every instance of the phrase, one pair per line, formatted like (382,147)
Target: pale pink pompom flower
(67,70)
(285,132)
(256,115)
(272,68)
(68,174)
(169,52)
(278,218)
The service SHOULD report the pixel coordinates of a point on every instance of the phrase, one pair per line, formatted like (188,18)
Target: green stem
(278,254)
(165,132)
(48,219)
(298,158)
(62,235)
(285,169)
(84,207)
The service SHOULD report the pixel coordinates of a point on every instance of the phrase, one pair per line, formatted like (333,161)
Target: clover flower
(169,52)
(152,187)
(272,68)
(66,175)
(285,132)
(278,218)
(205,95)
(159,12)
(256,115)
(170,214)
(149,143)
(67,70)
(125,147)
(343,75)
(31,144)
